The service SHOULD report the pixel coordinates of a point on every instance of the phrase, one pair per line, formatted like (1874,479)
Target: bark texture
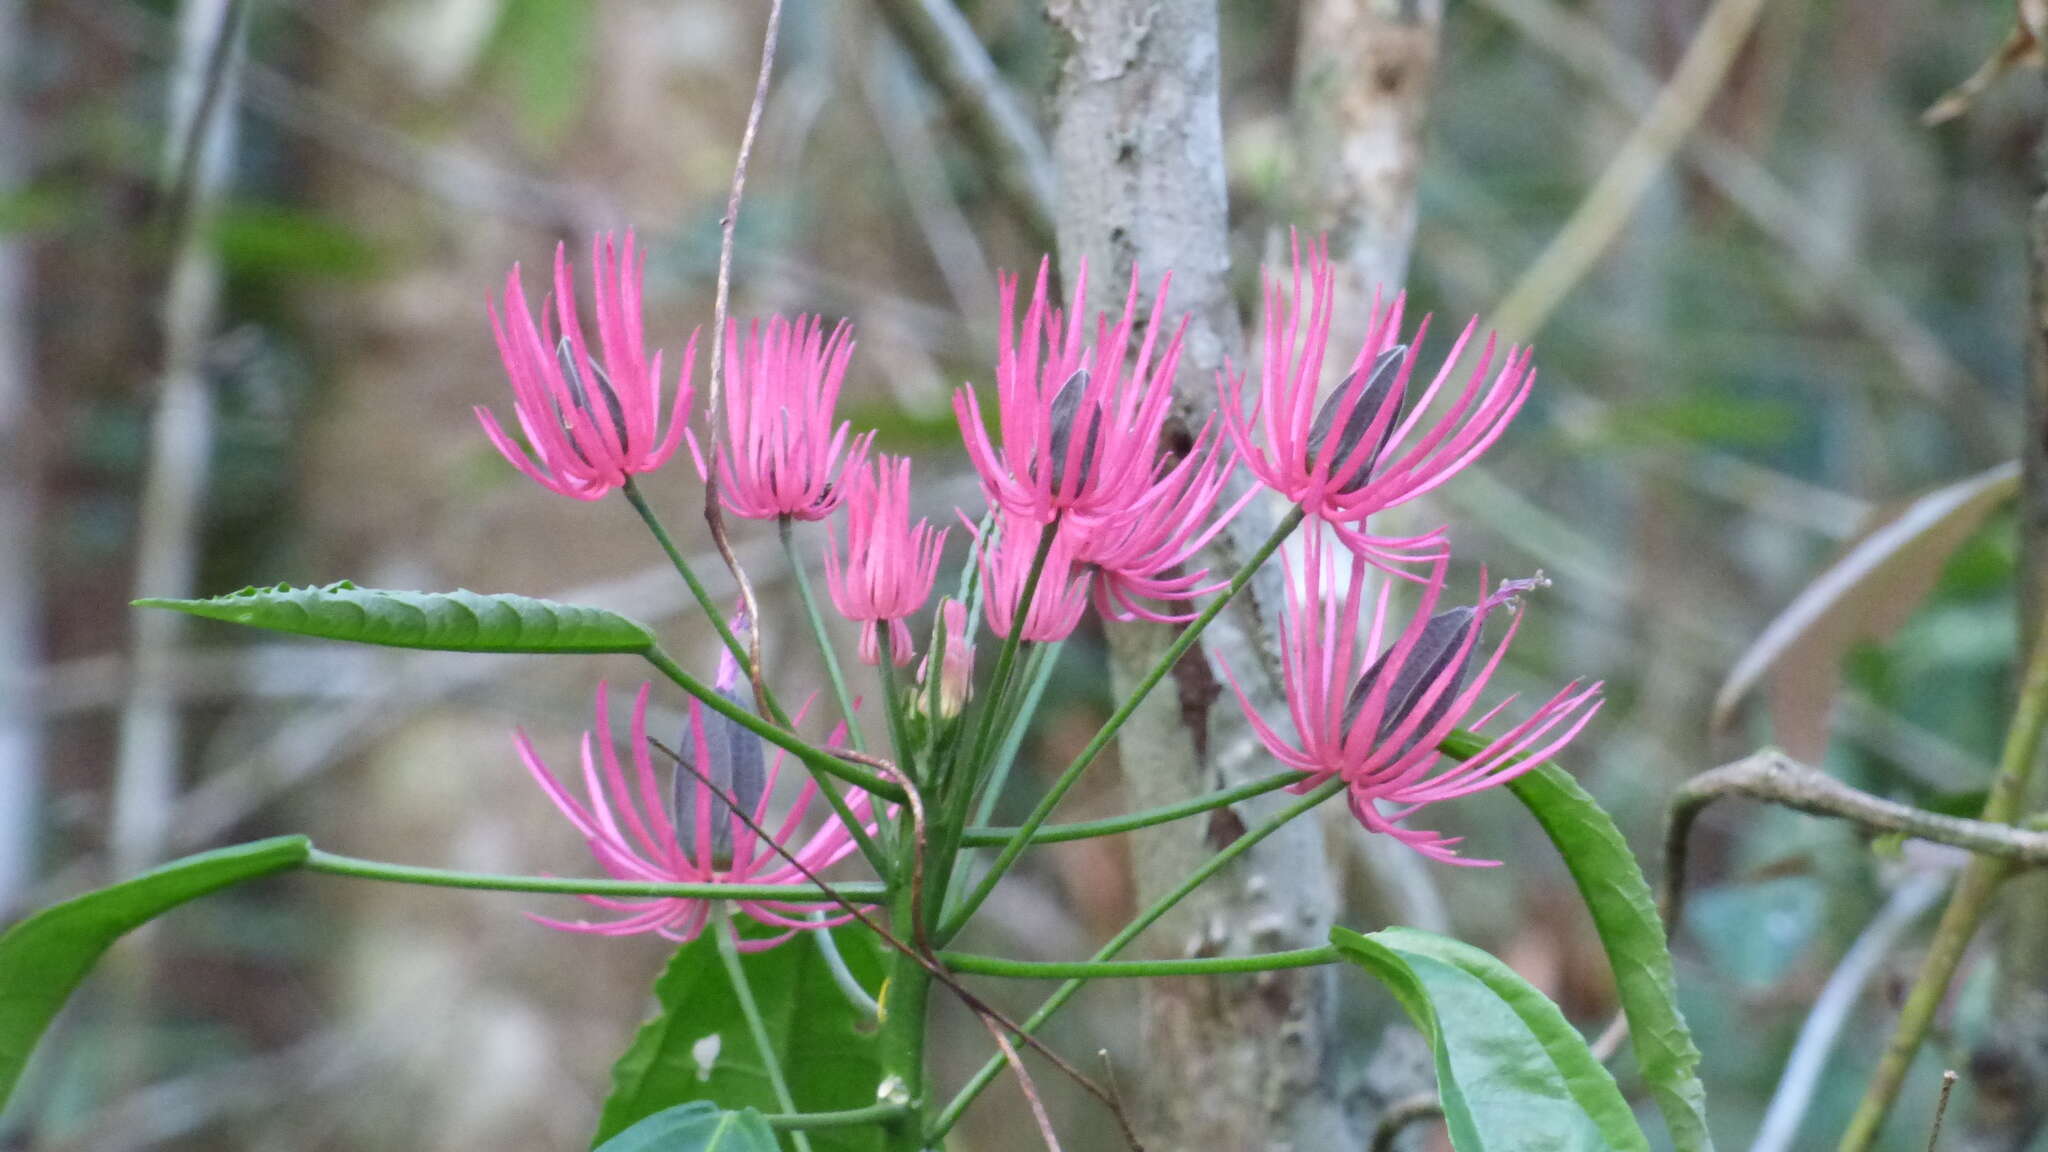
(1229,1064)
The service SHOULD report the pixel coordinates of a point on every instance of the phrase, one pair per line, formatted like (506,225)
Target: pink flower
(689,835)
(1353,457)
(1079,436)
(781,456)
(1374,715)
(589,425)
(1142,555)
(1061,596)
(956,671)
(889,566)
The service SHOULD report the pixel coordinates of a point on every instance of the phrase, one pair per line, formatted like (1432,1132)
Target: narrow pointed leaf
(43,958)
(699,1126)
(1512,1073)
(459,621)
(697,1046)
(1632,934)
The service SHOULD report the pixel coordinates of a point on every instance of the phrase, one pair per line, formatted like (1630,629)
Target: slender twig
(1024,1085)
(1400,1114)
(1981,878)
(1948,1084)
(1607,207)
(714,514)
(1771,777)
(952,57)
(727,935)
(712,612)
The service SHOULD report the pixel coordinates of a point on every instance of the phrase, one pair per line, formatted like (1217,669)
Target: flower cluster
(1098,494)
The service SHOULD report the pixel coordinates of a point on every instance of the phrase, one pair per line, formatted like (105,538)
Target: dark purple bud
(1429,662)
(1358,422)
(734,763)
(577,388)
(1068,403)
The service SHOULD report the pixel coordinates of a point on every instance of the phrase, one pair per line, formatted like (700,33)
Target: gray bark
(1229,1064)
(20,645)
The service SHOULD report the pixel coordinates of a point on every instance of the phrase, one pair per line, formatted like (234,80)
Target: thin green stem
(1037,674)
(729,953)
(848,1118)
(782,738)
(1088,829)
(1152,677)
(842,976)
(711,609)
(1130,932)
(999,681)
(336,865)
(973,965)
(1965,911)
(892,703)
(800,573)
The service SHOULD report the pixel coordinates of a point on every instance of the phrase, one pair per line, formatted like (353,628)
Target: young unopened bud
(728,756)
(1354,475)
(956,670)
(1440,656)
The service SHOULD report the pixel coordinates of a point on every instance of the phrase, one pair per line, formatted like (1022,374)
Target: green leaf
(828,1051)
(1512,1073)
(544,49)
(699,1126)
(459,621)
(46,956)
(1625,915)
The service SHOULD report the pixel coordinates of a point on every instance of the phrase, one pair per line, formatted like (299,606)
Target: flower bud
(956,670)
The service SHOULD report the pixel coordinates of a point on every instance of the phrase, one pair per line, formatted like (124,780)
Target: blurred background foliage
(1724,406)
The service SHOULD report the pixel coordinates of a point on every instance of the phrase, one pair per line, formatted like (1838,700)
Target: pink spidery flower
(781,455)
(889,567)
(689,835)
(1060,598)
(1373,714)
(1352,457)
(1142,557)
(1080,435)
(589,423)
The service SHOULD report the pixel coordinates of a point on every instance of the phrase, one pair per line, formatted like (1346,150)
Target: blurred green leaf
(46,956)
(544,49)
(1701,419)
(1611,884)
(32,209)
(698,1048)
(699,1126)
(273,240)
(1512,1073)
(458,621)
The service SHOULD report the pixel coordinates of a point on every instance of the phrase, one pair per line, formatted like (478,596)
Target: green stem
(336,865)
(892,702)
(1088,829)
(1117,943)
(999,681)
(973,965)
(848,1118)
(904,1000)
(782,738)
(1037,674)
(1965,911)
(842,976)
(711,609)
(785,527)
(1153,676)
(729,953)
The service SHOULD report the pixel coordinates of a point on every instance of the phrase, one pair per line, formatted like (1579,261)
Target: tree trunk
(1238,1063)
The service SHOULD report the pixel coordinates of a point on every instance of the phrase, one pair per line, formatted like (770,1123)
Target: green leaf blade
(459,621)
(828,1053)
(698,1126)
(1513,1075)
(44,957)
(1624,912)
